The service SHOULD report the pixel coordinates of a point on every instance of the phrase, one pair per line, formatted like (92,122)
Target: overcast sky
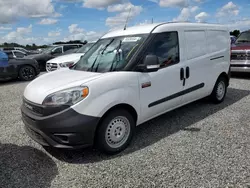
(47,21)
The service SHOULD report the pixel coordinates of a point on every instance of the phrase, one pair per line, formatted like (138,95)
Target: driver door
(160,91)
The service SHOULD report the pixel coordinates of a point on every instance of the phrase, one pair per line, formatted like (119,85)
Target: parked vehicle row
(69,59)
(127,78)
(52,52)
(13,67)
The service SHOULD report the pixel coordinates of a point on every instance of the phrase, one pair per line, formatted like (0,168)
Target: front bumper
(66,129)
(240,66)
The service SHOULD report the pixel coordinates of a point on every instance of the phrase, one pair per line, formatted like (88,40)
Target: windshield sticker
(131,39)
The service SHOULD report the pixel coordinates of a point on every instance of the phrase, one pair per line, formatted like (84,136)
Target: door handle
(182,74)
(187,72)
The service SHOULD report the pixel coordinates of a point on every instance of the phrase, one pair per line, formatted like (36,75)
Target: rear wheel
(220,90)
(27,73)
(115,131)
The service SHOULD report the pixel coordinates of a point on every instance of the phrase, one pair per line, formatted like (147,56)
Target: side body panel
(108,91)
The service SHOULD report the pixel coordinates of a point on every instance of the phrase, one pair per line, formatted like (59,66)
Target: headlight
(69,96)
(66,64)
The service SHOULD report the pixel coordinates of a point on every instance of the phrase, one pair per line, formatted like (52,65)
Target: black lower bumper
(67,129)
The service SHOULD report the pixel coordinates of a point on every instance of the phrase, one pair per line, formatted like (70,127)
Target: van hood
(48,83)
(241,46)
(66,58)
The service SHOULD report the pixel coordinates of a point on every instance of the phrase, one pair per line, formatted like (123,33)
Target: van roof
(161,27)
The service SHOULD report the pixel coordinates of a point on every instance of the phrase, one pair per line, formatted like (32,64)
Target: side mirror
(150,64)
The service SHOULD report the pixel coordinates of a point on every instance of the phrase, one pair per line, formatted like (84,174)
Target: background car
(52,52)
(17,68)
(70,59)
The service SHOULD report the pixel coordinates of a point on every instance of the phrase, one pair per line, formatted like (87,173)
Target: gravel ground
(199,145)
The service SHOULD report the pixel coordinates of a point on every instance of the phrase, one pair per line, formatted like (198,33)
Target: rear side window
(195,44)
(217,41)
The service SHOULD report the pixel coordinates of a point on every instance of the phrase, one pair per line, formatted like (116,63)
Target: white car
(127,78)
(65,61)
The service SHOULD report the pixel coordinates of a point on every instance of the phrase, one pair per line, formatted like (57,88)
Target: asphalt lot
(199,145)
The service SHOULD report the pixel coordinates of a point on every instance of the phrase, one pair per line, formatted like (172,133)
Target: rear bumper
(67,129)
(240,66)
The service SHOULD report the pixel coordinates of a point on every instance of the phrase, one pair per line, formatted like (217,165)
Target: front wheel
(27,73)
(219,91)
(115,132)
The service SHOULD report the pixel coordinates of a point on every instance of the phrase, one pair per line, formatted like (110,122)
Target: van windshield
(110,54)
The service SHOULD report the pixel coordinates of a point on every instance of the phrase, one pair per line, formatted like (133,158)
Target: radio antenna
(152,20)
(125,27)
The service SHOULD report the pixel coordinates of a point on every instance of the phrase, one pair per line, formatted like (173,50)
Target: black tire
(106,128)
(218,95)
(27,73)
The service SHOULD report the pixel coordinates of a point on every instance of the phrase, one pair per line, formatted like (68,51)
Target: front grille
(244,55)
(51,66)
(241,65)
(41,110)
(33,108)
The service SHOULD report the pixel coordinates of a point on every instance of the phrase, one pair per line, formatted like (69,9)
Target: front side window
(57,50)
(244,37)
(69,47)
(49,49)
(166,47)
(110,54)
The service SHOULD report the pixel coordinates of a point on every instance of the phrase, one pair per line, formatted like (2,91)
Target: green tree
(235,33)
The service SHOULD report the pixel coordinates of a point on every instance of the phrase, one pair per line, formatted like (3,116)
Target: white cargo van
(127,78)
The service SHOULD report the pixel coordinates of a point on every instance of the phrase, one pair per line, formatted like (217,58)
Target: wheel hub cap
(220,90)
(27,73)
(117,132)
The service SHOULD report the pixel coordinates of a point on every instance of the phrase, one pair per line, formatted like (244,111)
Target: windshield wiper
(94,63)
(98,56)
(107,46)
(117,51)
